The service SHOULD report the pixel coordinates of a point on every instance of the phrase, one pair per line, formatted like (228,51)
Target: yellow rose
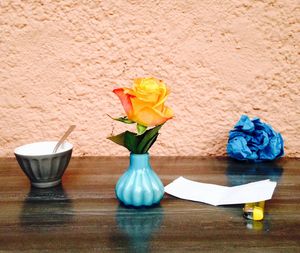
(144,103)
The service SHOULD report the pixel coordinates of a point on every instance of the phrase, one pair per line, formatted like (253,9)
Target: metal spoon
(64,137)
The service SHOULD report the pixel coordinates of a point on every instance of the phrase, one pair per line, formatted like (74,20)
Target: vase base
(122,204)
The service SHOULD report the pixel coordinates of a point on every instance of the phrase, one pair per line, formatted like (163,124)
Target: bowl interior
(42,148)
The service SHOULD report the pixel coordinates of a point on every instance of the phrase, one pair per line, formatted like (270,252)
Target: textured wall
(59,61)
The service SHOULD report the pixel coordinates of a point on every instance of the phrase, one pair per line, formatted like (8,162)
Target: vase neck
(139,161)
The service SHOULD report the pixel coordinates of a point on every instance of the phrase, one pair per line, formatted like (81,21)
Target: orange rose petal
(125,100)
(168,112)
(137,81)
(150,98)
(138,105)
(160,102)
(163,96)
(151,117)
(129,91)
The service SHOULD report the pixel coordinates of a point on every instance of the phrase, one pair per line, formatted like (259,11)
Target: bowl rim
(17,152)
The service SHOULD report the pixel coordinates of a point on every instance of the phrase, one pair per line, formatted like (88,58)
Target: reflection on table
(44,207)
(136,227)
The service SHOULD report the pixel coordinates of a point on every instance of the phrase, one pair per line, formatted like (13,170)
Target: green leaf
(149,144)
(131,141)
(127,139)
(137,144)
(122,119)
(118,139)
(140,129)
(147,137)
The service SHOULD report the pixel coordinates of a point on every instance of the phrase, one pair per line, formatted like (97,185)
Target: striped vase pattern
(139,186)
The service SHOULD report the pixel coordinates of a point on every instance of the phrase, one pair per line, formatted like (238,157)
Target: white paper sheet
(221,195)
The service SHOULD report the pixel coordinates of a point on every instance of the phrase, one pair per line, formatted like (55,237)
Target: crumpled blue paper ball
(254,140)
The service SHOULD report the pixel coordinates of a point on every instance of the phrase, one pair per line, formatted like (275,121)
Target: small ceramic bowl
(41,166)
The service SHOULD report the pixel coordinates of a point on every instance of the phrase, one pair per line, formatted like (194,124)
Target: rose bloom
(144,103)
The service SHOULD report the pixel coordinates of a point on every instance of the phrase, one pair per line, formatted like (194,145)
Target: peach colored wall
(59,61)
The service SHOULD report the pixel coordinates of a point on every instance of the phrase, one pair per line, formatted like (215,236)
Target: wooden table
(83,215)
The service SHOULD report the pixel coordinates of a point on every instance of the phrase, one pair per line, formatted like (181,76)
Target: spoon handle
(62,139)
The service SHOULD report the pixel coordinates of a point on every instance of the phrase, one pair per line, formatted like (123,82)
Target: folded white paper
(221,195)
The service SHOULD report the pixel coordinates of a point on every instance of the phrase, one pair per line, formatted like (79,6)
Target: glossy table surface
(83,215)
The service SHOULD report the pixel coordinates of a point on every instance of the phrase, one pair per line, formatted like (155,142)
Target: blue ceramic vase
(139,186)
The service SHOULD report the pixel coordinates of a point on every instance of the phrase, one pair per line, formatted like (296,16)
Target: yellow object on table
(254,211)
